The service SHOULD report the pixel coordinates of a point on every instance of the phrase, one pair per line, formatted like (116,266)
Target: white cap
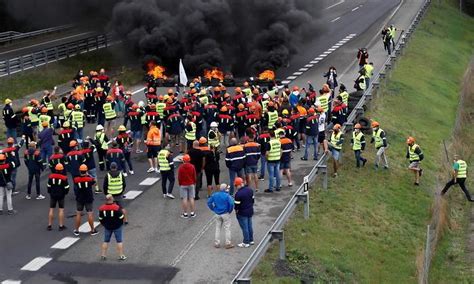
(141,104)
(99,127)
(265,96)
(214,124)
(223,187)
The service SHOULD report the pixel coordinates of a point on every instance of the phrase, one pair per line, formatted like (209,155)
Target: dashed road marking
(318,58)
(335,4)
(36,263)
(314,61)
(284,82)
(149,181)
(355,8)
(132,194)
(85,228)
(353,35)
(338,44)
(309,65)
(323,55)
(291,77)
(331,49)
(333,20)
(297,73)
(303,69)
(327,52)
(9,281)
(137,91)
(65,243)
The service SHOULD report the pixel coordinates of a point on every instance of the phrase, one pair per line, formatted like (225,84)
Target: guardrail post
(33,59)
(324,171)
(305,198)
(279,235)
(45,54)
(21,63)
(7,62)
(243,281)
(56,53)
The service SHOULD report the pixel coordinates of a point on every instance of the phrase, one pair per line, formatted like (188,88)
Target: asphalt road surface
(160,246)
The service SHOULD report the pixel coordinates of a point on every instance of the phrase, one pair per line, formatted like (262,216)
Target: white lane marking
(338,44)
(318,58)
(355,8)
(132,194)
(65,243)
(335,47)
(333,20)
(331,49)
(42,43)
(323,55)
(297,73)
(352,35)
(139,90)
(344,40)
(284,82)
(85,228)
(291,77)
(149,181)
(335,4)
(190,245)
(309,65)
(9,281)
(36,263)
(303,69)
(326,52)
(314,61)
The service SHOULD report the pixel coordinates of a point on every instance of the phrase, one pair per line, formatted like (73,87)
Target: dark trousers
(102,153)
(461,182)
(359,158)
(167,176)
(36,176)
(198,182)
(128,160)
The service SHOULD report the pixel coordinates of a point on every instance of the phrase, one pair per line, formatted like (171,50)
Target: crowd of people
(254,129)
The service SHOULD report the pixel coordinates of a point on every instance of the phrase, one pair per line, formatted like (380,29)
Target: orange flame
(215,73)
(156,70)
(267,75)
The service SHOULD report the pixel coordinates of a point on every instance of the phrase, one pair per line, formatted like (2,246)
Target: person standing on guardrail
(10,118)
(459,177)
(222,204)
(358,145)
(335,146)
(415,156)
(380,139)
(244,201)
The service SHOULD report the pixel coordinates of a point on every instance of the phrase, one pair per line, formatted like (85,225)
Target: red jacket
(186,174)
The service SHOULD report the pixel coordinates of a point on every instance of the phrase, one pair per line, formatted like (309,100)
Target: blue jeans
(117,232)
(46,152)
(13,178)
(11,132)
(311,140)
(359,158)
(78,133)
(246,226)
(263,165)
(232,175)
(273,173)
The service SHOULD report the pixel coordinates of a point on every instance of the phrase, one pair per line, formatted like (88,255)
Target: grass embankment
(370,225)
(47,76)
(452,263)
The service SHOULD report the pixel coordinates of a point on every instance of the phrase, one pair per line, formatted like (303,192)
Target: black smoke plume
(239,36)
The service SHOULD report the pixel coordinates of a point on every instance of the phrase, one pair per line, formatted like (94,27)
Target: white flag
(183,79)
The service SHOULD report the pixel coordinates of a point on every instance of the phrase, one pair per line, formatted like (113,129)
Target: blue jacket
(221,202)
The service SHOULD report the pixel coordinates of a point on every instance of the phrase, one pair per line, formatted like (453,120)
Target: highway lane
(160,244)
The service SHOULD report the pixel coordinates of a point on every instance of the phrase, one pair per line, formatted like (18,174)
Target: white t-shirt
(322,122)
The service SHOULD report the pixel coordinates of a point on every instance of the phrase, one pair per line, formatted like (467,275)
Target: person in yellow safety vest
(47,101)
(110,115)
(203,98)
(77,119)
(44,117)
(359,84)
(344,94)
(380,139)
(358,145)
(273,156)
(247,90)
(369,72)
(324,99)
(101,142)
(415,156)
(335,146)
(265,101)
(392,29)
(165,160)
(190,132)
(459,177)
(114,184)
(214,136)
(33,112)
(272,115)
(61,109)
(160,107)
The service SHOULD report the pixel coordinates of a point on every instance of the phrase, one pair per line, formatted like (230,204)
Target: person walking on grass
(187,185)
(335,146)
(244,200)
(380,139)
(58,188)
(358,145)
(459,177)
(415,156)
(222,204)
(112,218)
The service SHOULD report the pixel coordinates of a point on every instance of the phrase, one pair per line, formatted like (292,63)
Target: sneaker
(252,243)
(11,212)
(184,215)
(385,167)
(97,191)
(243,245)
(304,159)
(76,233)
(62,228)
(290,184)
(139,151)
(150,170)
(125,174)
(94,232)
(261,178)
(170,196)
(39,197)
(193,214)
(15,192)
(28,196)
(278,188)
(335,175)
(122,257)
(229,246)
(103,258)
(197,198)
(364,162)
(164,196)
(268,190)
(157,170)
(217,246)
(49,228)
(131,172)
(417,183)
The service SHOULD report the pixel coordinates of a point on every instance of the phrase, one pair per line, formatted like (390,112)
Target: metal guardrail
(53,54)
(302,194)
(10,36)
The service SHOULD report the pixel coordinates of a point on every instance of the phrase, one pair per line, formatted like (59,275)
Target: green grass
(369,227)
(46,77)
